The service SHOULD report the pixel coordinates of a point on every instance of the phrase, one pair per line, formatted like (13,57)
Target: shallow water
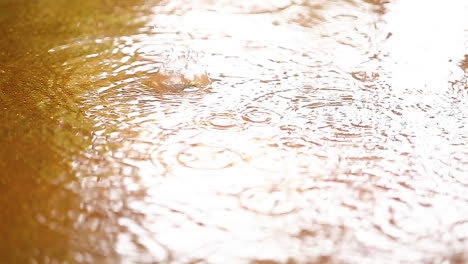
(329,132)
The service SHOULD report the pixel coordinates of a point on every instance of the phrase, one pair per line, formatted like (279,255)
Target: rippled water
(234,132)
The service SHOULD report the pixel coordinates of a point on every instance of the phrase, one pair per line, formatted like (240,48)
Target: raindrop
(180,69)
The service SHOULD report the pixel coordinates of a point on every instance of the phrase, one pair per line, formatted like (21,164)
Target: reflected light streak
(224,167)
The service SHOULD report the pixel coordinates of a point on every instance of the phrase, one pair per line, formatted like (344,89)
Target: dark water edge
(42,127)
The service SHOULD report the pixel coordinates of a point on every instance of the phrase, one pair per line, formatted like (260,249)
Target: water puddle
(236,132)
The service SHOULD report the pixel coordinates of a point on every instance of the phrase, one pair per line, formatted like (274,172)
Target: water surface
(328,132)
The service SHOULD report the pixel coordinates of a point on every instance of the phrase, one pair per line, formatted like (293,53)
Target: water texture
(234,132)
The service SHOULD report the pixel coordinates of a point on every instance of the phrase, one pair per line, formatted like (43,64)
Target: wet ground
(233,131)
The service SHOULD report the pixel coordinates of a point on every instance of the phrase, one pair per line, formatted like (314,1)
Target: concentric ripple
(270,200)
(259,115)
(206,157)
(219,121)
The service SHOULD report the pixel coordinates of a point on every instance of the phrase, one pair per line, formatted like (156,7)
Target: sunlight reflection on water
(330,134)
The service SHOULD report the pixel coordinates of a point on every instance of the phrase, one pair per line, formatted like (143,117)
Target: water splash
(180,70)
